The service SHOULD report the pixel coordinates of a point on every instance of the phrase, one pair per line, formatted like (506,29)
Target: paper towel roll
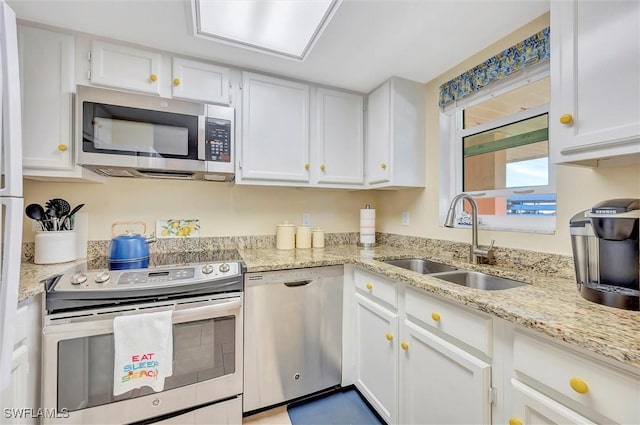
(367,226)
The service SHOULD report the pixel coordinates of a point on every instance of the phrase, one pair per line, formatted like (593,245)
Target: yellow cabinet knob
(404,346)
(389,336)
(566,119)
(322,167)
(62,147)
(176,81)
(579,385)
(306,166)
(153,77)
(435,316)
(369,286)
(515,421)
(383,166)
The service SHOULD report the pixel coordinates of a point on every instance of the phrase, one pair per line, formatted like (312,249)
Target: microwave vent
(115,172)
(158,174)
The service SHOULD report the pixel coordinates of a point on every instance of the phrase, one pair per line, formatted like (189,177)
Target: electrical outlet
(405,218)
(306,219)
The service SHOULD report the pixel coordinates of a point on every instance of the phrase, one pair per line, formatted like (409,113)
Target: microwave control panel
(217,140)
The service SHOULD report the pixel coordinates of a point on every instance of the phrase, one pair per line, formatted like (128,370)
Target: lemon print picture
(178,228)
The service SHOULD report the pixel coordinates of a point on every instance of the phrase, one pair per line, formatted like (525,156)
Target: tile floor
(276,416)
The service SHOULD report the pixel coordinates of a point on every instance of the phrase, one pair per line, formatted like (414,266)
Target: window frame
(452,158)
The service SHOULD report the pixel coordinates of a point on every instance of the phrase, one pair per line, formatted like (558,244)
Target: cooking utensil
(66,220)
(36,212)
(53,219)
(61,206)
(129,246)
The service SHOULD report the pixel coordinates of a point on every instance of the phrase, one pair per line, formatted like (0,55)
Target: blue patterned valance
(515,58)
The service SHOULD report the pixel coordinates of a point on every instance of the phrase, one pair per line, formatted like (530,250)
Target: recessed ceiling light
(282,27)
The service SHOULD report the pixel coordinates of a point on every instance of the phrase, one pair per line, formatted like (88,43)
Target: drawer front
(377,287)
(473,329)
(606,390)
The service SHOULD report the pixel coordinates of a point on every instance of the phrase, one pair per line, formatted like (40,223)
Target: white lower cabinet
(408,372)
(595,389)
(377,356)
(439,382)
(531,407)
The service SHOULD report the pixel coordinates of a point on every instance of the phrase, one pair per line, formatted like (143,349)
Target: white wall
(577,188)
(223,209)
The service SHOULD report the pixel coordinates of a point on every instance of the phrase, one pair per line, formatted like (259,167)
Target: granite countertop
(549,303)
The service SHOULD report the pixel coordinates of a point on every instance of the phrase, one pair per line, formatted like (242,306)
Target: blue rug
(340,408)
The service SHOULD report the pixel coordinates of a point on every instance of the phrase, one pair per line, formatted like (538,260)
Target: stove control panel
(101,280)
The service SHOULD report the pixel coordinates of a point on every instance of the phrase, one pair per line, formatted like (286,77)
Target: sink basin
(478,280)
(420,265)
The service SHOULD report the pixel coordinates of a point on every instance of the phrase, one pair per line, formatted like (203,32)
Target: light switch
(306,219)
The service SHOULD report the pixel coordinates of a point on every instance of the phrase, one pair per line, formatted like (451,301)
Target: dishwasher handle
(296,283)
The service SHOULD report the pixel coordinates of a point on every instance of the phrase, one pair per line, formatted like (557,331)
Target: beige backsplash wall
(223,209)
(577,188)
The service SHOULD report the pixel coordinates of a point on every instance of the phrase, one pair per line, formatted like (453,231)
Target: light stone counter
(549,303)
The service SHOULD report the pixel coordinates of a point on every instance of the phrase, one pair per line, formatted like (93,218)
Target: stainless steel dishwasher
(293,334)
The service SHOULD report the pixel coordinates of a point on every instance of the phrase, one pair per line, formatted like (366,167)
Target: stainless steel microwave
(130,135)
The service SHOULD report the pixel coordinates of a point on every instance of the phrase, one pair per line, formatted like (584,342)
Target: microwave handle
(205,312)
(202,139)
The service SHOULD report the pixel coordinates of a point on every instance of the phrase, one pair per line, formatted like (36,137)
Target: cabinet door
(200,81)
(441,383)
(594,78)
(125,68)
(339,137)
(275,129)
(377,357)
(47,83)
(530,407)
(378,142)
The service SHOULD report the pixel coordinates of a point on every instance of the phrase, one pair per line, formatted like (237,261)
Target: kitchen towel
(367,225)
(143,345)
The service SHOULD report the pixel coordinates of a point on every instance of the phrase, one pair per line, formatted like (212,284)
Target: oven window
(202,350)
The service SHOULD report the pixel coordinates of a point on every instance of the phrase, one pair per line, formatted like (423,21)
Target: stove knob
(224,267)
(207,269)
(78,278)
(102,277)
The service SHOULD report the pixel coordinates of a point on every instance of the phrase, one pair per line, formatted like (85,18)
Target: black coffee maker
(604,240)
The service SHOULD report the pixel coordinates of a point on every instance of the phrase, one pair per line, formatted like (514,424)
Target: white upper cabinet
(200,81)
(339,137)
(47,88)
(595,64)
(395,140)
(274,144)
(125,68)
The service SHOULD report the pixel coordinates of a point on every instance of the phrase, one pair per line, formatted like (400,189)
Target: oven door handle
(205,312)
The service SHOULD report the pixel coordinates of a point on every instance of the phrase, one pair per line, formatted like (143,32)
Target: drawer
(473,329)
(604,389)
(377,287)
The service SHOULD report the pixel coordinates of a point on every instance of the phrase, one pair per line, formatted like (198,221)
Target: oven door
(78,359)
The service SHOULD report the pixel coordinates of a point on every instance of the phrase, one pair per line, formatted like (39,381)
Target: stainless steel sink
(478,280)
(420,265)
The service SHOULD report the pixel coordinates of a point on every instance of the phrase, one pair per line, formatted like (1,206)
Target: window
(497,148)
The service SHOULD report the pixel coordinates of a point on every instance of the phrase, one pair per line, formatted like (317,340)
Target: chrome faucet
(477,254)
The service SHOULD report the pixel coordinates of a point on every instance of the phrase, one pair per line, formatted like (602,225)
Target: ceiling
(366,42)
